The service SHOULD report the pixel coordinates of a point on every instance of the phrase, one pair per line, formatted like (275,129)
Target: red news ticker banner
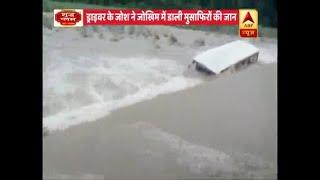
(160,17)
(246,19)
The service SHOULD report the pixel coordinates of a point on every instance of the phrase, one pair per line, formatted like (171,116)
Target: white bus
(232,56)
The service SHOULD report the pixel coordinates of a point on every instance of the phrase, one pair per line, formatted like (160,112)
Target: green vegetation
(49,6)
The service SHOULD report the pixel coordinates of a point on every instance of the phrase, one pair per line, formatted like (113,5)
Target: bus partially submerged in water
(231,56)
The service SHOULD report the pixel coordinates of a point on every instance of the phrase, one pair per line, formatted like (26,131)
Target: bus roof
(220,58)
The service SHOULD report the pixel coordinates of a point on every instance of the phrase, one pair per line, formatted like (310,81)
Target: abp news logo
(248,23)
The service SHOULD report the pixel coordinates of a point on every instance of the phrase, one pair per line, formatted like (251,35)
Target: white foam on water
(85,89)
(199,159)
(206,161)
(268,51)
(74,177)
(83,83)
(268,55)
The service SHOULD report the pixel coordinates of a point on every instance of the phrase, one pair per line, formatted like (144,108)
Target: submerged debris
(199,42)
(172,39)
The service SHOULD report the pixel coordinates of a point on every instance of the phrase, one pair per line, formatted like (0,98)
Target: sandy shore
(226,128)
